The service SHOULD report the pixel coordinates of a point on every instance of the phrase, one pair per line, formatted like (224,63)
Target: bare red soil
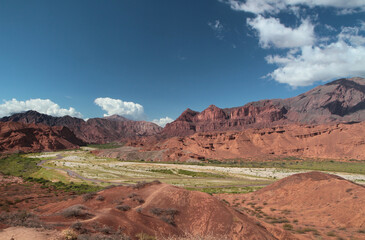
(314,204)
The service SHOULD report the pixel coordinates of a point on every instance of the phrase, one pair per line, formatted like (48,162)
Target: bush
(123,207)
(69,234)
(100,198)
(21,218)
(77,211)
(288,226)
(88,196)
(166,215)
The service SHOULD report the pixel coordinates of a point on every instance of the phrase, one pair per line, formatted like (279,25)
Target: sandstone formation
(94,130)
(331,141)
(342,100)
(20,137)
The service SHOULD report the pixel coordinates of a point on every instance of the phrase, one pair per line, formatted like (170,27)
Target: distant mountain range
(342,100)
(94,130)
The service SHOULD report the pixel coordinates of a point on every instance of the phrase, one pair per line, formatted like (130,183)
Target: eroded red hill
(311,203)
(20,137)
(158,209)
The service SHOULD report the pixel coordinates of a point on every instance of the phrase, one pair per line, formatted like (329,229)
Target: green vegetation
(17,165)
(68,187)
(165,171)
(293,163)
(213,190)
(106,145)
(198,174)
(51,175)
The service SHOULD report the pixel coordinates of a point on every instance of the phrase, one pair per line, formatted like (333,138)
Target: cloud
(343,58)
(274,34)
(217,27)
(275,6)
(45,106)
(112,106)
(162,121)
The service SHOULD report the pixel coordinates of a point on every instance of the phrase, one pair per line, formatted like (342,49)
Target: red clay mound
(19,137)
(158,210)
(319,202)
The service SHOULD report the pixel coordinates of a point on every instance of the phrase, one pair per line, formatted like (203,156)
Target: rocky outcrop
(94,130)
(327,141)
(342,100)
(21,137)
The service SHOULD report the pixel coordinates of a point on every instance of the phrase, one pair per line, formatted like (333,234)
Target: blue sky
(149,60)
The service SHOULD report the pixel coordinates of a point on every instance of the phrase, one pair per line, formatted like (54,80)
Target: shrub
(88,196)
(166,215)
(123,207)
(69,234)
(77,211)
(132,195)
(288,226)
(20,218)
(100,198)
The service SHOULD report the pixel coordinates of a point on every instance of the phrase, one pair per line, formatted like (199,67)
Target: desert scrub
(123,207)
(20,218)
(100,198)
(76,211)
(288,226)
(166,215)
(88,196)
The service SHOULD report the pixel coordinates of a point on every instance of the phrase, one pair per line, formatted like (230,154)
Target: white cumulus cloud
(112,106)
(162,121)
(275,6)
(272,33)
(343,58)
(45,106)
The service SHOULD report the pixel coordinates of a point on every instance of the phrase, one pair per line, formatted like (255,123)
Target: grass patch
(198,174)
(51,175)
(106,145)
(68,187)
(164,171)
(225,189)
(20,166)
(293,163)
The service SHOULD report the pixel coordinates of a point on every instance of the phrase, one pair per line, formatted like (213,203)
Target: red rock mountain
(342,100)
(94,130)
(21,137)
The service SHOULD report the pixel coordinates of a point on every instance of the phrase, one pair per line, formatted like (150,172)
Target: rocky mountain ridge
(94,130)
(342,100)
(21,137)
